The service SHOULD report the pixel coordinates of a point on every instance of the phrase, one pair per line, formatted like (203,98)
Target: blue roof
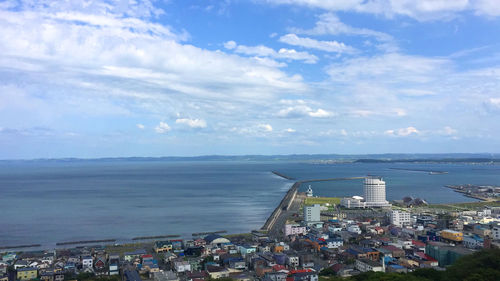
(212,237)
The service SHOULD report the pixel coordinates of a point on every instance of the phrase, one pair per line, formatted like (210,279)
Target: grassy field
(472,205)
(322,200)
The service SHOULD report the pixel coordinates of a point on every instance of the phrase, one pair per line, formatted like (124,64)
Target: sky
(119,78)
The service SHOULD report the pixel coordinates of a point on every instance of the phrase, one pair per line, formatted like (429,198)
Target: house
(237,263)
(131,275)
(216,240)
(87,262)
(395,251)
(27,273)
(100,262)
(182,266)
(114,265)
(294,229)
(334,243)
(354,228)
(246,249)
(47,275)
(216,272)
(365,265)
(162,246)
(473,241)
(130,256)
(292,261)
(305,276)
(165,276)
(20,264)
(275,276)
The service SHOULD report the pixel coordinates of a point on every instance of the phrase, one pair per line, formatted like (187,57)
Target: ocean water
(45,202)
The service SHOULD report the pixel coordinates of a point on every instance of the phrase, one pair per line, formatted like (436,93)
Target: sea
(45,201)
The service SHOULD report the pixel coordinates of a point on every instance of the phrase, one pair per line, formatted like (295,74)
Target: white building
(365,265)
(182,266)
(400,218)
(374,189)
(87,262)
(312,213)
(294,229)
(334,243)
(353,202)
(354,228)
(292,261)
(495,232)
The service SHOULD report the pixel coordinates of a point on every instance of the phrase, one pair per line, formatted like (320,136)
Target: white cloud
(494,102)
(162,128)
(330,24)
(320,113)
(403,132)
(230,45)
(290,130)
(263,51)
(140,126)
(391,68)
(299,109)
(421,10)
(327,46)
(193,123)
(265,127)
(448,131)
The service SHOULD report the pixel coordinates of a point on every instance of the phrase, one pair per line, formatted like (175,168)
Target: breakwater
(282,206)
(283,176)
(19,246)
(85,242)
(288,199)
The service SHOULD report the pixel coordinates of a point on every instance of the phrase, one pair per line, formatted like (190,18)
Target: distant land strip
(420,170)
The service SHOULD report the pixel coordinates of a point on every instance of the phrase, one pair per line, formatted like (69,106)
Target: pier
(290,204)
(283,176)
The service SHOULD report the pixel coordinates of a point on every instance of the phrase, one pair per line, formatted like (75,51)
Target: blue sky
(159,78)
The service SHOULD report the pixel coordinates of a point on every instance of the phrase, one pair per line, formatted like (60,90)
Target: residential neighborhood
(346,243)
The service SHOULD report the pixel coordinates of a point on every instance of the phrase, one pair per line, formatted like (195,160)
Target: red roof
(300,271)
(424,256)
(418,243)
(278,267)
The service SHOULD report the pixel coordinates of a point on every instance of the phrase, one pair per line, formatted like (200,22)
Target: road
(276,229)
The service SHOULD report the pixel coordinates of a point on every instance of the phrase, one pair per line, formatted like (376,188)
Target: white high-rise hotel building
(374,189)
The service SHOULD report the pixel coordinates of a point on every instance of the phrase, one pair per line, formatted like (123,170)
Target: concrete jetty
(282,175)
(290,204)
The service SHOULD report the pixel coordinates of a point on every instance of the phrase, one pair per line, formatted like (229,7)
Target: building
(182,266)
(353,202)
(295,229)
(374,189)
(365,265)
(495,232)
(87,262)
(162,246)
(309,192)
(131,275)
(312,213)
(444,253)
(400,218)
(27,273)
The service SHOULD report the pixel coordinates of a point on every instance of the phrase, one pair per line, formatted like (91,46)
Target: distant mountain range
(321,158)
